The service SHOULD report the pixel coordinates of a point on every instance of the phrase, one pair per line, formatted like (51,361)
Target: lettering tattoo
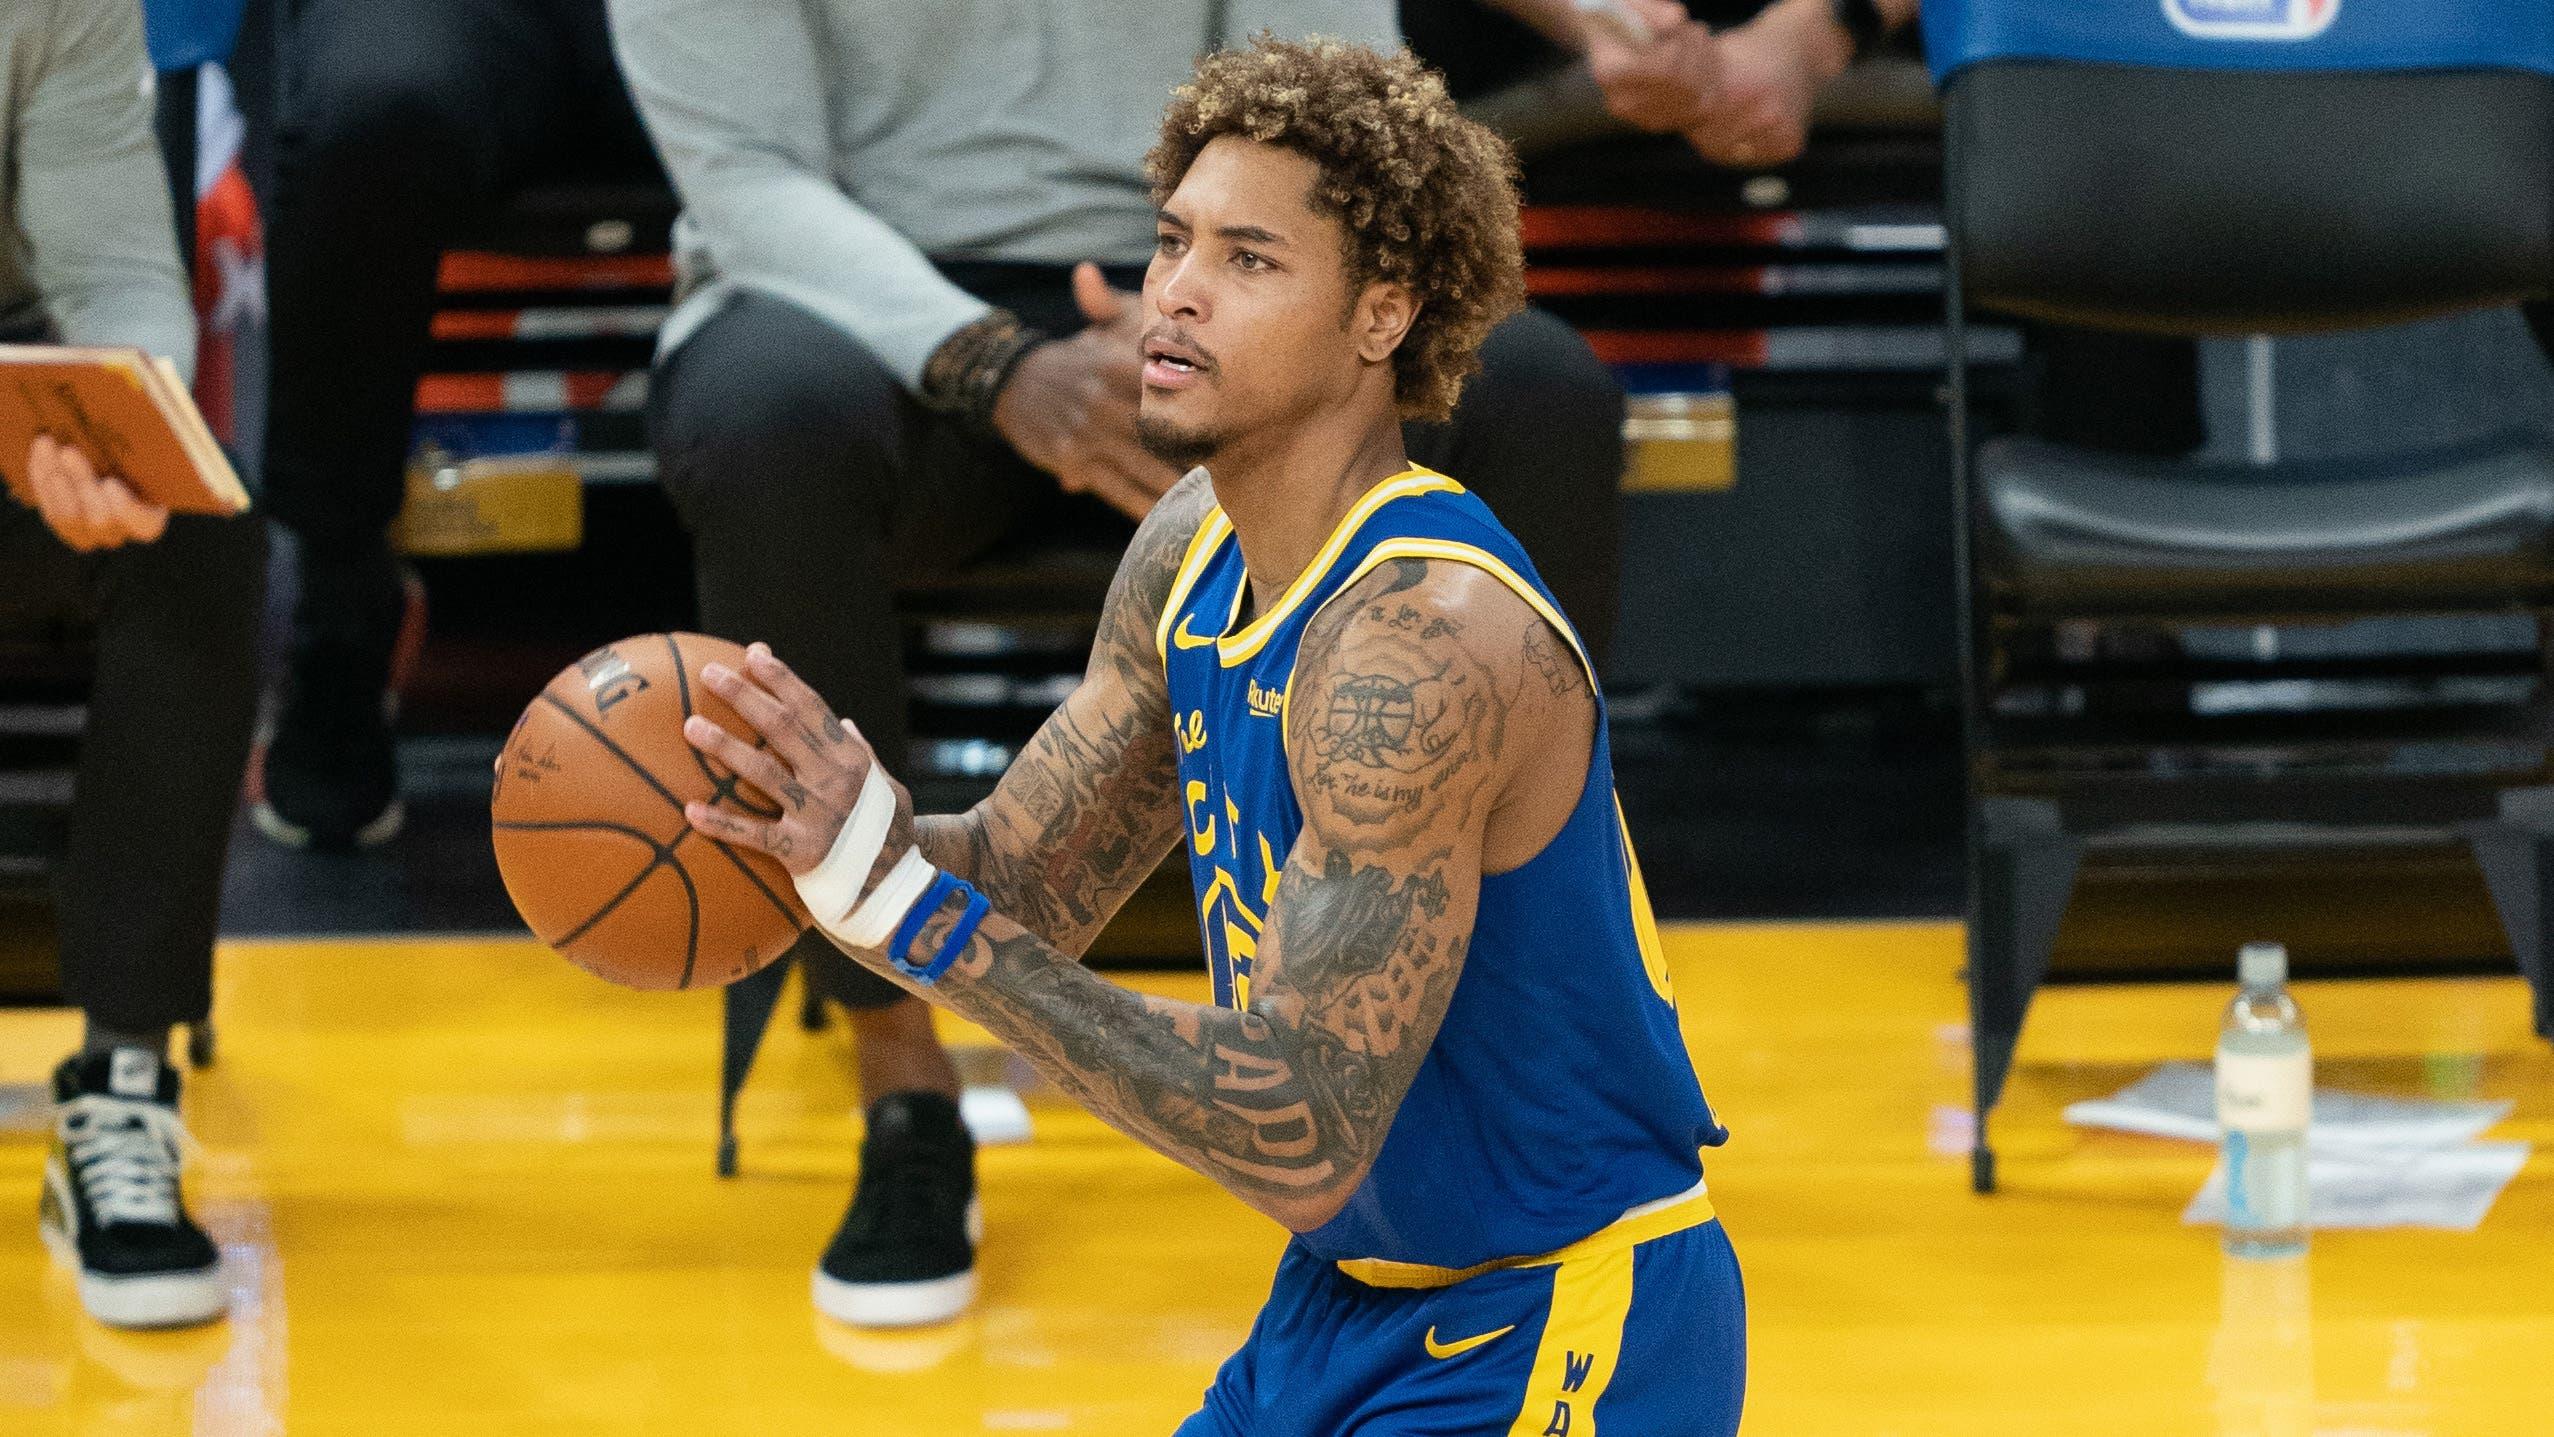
(1560,671)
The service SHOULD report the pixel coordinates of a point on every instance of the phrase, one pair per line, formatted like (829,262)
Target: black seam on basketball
(755,878)
(618,752)
(692,940)
(662,855)
(746,867)
(722,789)
(616,900)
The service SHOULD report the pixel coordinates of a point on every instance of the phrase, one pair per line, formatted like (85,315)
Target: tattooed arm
(1086,812)
(1411,715)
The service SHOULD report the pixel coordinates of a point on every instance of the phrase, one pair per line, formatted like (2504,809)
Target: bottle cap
(2262,965)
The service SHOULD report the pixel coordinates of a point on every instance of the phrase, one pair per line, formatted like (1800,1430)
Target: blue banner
(2245,34)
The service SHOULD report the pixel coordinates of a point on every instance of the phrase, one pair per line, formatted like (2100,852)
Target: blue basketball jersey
(1558,1094)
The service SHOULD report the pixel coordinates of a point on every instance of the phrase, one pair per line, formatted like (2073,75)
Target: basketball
(587,818)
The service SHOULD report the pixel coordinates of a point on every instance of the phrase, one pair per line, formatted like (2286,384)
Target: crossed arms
(1285,1102)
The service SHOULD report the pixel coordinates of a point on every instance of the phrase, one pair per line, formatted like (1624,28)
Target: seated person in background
(403,122)
(90,257)
(1741,97)
(904,335)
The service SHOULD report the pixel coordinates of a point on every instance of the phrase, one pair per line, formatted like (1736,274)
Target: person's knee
(1538,372)
(757,425)
(378,112)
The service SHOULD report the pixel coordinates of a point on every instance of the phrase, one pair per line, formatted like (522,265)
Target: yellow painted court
(465,1189)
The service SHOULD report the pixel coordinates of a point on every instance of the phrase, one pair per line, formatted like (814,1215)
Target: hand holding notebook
(85,509)
(128,416)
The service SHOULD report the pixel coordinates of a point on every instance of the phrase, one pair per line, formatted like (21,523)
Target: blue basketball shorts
(1647,1340)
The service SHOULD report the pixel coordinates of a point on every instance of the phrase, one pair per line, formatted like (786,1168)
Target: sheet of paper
(2179,1100)
(2450,1187)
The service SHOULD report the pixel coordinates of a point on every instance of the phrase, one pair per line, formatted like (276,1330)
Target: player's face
(1252,324)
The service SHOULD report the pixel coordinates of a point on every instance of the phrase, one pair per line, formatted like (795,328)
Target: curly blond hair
(1428,198)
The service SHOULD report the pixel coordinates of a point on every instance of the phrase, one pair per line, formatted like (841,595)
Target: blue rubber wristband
(956,943)
(943,883)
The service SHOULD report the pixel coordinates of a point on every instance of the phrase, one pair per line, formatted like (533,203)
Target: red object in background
(229,293)
(472,272)
(229,262)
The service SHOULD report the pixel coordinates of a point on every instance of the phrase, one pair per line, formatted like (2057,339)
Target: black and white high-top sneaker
(111,1205)
(905,1253)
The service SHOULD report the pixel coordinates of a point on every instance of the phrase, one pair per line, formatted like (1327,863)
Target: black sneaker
(111,1205)
(327,774)
(905,1253)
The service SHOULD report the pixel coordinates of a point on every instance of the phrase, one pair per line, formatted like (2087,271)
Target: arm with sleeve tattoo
(1086,811)
(1406,692)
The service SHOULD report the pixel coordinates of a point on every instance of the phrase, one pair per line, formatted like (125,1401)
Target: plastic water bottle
(2265,1094)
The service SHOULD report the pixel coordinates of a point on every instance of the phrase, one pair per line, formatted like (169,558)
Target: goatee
(1180,448)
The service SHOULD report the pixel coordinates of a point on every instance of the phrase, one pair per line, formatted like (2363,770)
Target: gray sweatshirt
(89,250)
(824,148)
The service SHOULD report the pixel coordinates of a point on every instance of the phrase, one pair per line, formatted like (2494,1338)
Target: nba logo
(2252,19)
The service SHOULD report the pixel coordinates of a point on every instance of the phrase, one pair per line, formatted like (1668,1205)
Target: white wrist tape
(875,920)
(833,886)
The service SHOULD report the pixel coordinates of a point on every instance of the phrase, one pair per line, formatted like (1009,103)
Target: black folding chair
(2264,666)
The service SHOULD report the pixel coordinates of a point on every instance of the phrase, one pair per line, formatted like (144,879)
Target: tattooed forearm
(1086,812)
(1083,819)
(1284,1103)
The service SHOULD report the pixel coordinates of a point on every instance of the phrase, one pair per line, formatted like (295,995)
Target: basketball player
(1441,1047)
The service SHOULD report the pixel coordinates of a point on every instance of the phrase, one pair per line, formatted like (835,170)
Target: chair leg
(746,1008)
(2516,853)
(2027,865)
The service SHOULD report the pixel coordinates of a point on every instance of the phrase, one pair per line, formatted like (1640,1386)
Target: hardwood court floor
(465,1189)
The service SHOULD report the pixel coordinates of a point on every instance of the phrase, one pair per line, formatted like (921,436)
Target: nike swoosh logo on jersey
(1441,1351)
(1186,640)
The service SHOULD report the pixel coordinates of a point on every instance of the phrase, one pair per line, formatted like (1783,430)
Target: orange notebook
(127,411)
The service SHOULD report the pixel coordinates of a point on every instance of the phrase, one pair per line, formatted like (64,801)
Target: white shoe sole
(168,1299)
(995,1116)
(902,1304)
(292,835)
(895,1304)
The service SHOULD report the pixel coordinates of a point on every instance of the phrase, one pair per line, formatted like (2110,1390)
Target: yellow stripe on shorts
(1582,1340)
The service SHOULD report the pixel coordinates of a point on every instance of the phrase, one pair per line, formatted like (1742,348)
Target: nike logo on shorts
(1460,1346)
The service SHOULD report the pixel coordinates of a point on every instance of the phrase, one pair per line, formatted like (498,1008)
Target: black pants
(812,483)
(401,123)
(170,707)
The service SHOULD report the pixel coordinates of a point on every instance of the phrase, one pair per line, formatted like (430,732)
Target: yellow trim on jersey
(1582,1344)
(1688,1209)
(1201,547)
(1235,648)
(1454,552)
(1644,918)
